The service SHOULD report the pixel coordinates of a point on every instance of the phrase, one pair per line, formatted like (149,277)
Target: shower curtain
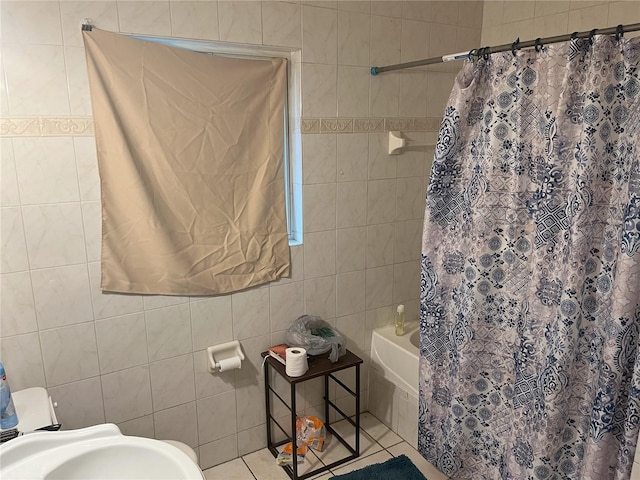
(530,283)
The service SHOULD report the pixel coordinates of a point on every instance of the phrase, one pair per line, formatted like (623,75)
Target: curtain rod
(517,45)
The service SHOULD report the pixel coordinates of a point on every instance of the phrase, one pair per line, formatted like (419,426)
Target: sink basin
(99,452)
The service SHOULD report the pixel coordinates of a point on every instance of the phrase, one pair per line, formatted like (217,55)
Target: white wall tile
(319,158)
(408,241)
(413,162)
(78,81)
(384,98)
(350,292)
(624,12)
(353,153)
(381,164)
(41,94)
(443,12)
(13,249)
(353,91)
(103,13)
(69,353)
(240,21)
(138,427)
(351,204)
(250,406)
(79,404)
(122,342)
(54,234)
(251,371)
(387,8)
(470,14)
(410,198)
(281,24)
(110,304)
(152,302)
(168,331)
(406,281)
(350,254)
(379,286)
(127,394)
(178,423)
(361,6)
(381,204)
(251,440)
(216,417)
(16,304)
(354,30)
(320,254)
(319,35)
(208,384)
(516,11)
(352,327)
(417,10)
(287,304)
(31,22)
(62,296)
(379,245)
(385,40)
(414,40)
(412,100)
(22,360)
(221,451)
(319,84)
(150,17)
(320,297)
(194,19)
(46,169)
(211,322)
(87,166)
(172,382)
(250,313)
(319,207)
(438,89)
(8,178)
(92,222)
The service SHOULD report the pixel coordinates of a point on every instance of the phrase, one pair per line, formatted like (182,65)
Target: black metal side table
(320,366)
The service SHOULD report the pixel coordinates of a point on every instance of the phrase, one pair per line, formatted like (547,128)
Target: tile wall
(140,361)
(504,21)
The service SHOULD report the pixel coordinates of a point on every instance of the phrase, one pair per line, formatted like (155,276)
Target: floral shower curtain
(530,295)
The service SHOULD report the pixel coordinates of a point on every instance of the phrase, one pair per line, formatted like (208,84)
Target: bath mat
(398,468)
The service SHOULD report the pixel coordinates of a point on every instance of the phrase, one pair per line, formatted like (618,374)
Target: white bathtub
(393,380)
(396,357)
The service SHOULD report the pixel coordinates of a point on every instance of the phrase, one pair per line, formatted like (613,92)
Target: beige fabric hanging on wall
(190,154)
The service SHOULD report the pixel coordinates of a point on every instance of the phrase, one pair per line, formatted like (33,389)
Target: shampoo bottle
(399,321)
(8,415)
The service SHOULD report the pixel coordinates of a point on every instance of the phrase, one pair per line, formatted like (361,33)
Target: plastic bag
(310,432)
(316,336)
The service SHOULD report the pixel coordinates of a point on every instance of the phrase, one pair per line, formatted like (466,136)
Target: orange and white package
(311,431)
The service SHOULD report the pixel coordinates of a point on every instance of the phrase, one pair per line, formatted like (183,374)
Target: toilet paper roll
(296,365)
(229,364)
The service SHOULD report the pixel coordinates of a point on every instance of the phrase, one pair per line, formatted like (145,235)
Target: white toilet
(77,451)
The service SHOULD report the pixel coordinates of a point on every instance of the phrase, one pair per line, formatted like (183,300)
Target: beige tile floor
(377,444)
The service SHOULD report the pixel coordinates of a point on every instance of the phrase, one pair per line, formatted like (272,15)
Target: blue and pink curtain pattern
(530,295)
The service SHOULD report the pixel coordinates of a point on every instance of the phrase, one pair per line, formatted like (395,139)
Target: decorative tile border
(369,125)
(83,126)
(46,127)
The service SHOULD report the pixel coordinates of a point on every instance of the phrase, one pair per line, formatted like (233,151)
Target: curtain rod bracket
(87,24)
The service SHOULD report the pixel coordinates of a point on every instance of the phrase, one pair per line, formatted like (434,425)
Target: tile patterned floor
(377,444)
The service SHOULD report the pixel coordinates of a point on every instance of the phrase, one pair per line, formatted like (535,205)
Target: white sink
(99,452)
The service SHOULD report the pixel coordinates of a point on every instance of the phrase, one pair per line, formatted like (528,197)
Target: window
(292,141)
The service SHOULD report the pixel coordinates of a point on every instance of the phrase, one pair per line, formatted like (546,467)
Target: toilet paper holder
(217,354)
